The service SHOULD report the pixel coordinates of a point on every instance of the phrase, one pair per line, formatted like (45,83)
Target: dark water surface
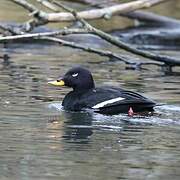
(38,140)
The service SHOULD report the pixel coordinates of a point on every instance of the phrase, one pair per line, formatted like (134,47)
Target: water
(39,140)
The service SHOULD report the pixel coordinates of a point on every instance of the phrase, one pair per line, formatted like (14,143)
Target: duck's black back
(107,100)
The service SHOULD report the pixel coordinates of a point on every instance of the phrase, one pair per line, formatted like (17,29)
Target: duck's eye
(75,75)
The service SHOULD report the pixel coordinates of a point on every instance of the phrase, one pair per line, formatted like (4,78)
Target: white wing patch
(104,103)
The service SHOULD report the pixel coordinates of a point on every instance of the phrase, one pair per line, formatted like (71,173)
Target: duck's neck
(83,90)
(84,87)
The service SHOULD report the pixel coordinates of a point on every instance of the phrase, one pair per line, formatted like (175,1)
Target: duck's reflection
(78,127)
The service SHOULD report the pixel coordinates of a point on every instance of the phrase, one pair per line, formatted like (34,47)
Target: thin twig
(48,5)
(31,8)
(114,40)
(54,33)
(88,49)
(34,11)
(45,35)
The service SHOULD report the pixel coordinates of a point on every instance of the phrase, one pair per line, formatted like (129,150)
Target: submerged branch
(10,29)
(148,17)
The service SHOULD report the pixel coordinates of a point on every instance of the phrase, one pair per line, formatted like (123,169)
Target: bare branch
(88,49)
(101,13)
(151,17)
(48,5)
(89,14)
(10,29)
(72,15)
(26,5)
(41,15)
(114,40)
(33,35)
(45,36)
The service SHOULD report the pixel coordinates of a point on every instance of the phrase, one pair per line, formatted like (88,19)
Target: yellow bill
(57,83)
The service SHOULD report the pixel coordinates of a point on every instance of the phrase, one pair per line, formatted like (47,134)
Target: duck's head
(77,78)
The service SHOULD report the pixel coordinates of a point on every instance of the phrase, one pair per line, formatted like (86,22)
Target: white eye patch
(75,75)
